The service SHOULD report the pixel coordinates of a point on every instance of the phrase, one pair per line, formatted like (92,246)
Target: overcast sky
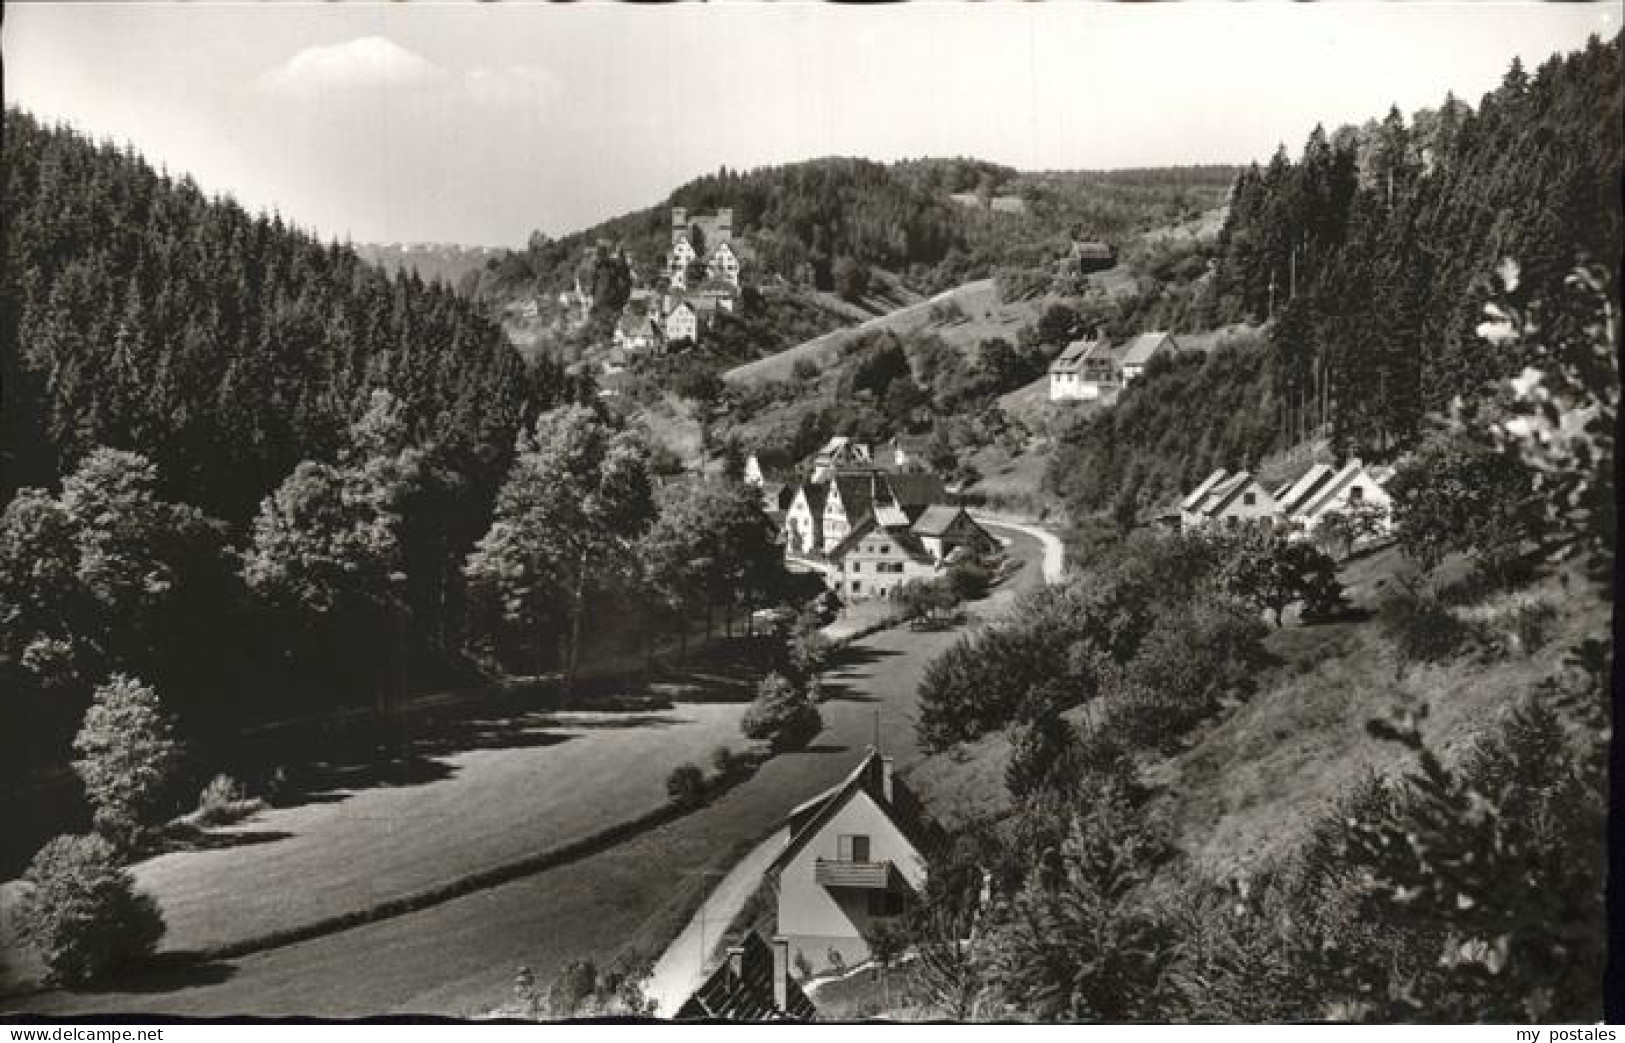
(477,124)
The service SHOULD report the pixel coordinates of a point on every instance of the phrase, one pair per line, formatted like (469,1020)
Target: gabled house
(947,528)
(1066,379)
(681,323)
(857,492)
(638,331)
(708,239)
(1229,500)
(804,520)
(839,451)
(851,861)
(1092,256)
(905,451)
(1138,353)
(752,984)
(1352,488)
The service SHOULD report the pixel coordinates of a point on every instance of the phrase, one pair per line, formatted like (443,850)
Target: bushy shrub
(685,786)
(81,911)
(782,715)
(224,801)
(128,756)
(727,763)
(1421,628)
(968,580)
(1043,756)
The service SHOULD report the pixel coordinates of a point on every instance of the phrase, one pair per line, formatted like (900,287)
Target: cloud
(366,63)
(511,85)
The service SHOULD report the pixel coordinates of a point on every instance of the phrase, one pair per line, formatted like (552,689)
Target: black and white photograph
(1038,513)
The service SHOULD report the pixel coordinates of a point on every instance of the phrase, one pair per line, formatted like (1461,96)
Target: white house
(856,493)
(724,264)
(804,520)
(1066,374)
(887,549)
(850,862)
(682,323)
(1351,489)
(1228,500)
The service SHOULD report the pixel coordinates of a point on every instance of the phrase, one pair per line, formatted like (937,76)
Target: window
(852,847)
(857,566)
(885,548)
(1357,494)
(857,587)
(1249,498)
(885,903)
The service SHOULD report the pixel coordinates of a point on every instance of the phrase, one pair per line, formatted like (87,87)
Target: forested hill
(804,218)
(226,347)
(1373,255)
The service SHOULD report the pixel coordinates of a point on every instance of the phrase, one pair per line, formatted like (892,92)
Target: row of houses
(1229,499)
(873,520)
(1091,368)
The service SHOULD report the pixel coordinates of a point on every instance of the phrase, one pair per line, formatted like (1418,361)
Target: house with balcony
(1083,372)
(851,862)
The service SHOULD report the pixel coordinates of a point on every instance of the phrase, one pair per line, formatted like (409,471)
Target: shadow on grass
(202,840)
(165,972)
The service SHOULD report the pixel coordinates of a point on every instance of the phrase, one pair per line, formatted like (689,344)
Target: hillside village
(840,590)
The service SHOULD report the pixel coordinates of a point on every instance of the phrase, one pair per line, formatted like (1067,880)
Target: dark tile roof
(936,519)
(748,995)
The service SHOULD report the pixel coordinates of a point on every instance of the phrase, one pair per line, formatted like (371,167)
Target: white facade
(682,324)
(817,917)
(804,526)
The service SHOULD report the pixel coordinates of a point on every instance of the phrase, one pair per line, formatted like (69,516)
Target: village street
(459,957)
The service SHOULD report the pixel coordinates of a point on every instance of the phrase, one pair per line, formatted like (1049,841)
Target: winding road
(458,958)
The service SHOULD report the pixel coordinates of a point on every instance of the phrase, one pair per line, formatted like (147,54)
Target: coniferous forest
(1373,254)
(184,357)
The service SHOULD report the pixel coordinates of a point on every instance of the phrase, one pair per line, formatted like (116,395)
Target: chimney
(885,778)
(736,962)
(781,974)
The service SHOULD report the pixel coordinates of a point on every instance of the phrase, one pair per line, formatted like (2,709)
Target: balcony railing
(831,872)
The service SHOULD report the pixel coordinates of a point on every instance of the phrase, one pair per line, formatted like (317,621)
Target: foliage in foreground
(81,911)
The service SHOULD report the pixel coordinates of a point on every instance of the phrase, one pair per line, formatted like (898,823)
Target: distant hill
(444,262)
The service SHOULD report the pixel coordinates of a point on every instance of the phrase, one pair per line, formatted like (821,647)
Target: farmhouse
(753,984)
(1092,256)
(1228,499)
(1082,372)
(1137,354)
(1352,489)
(886,549)
(638,331)
(850,862)
(855,493)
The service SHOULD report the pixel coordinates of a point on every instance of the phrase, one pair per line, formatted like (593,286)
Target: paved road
(459,958)
(692,952)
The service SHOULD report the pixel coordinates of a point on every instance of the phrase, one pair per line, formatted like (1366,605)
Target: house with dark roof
(851,861)
(890,547)
(1092,256)
(1137,353)
(752,984)
(855,492)
(839,451)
